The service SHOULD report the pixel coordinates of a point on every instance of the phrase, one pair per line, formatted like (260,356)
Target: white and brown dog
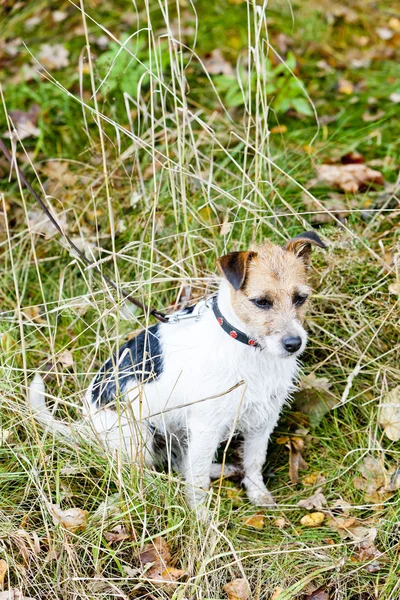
(225,366)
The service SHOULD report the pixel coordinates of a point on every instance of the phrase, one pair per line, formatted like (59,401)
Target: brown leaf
(117,534)
(3,571)
(166,578)
(157,550)
(237,589)
(314,398)
(314,519)
(72,519)
(216,64)
(313,479)
(394,288)
(317,501)
(40,224)
(296,460)
(66,358)
(280,522)
(277,593)
(335,205)
(389,414)
(33,314)
(25,123)
(256,521)
(349,178)
(318,594)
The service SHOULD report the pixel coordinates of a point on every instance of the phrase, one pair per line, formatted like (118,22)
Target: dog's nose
(291,343)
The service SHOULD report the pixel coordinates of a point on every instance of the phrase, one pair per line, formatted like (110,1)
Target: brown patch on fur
(234,266)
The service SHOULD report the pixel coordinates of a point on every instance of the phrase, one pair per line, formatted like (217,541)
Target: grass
(155,187)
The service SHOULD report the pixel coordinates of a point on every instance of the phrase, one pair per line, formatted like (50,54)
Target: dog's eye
(299,299)
(262,302)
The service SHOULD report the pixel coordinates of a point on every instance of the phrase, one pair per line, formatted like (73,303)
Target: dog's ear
(234,267)
(301,245)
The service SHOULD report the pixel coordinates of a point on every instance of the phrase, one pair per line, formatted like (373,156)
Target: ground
(162,141)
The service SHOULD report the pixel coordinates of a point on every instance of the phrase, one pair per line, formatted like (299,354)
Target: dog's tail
(37,402)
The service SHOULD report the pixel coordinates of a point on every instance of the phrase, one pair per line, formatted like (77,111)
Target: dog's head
(269,291)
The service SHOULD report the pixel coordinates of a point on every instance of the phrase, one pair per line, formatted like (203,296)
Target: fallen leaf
(157,551)
(25,123)
(340,11)
(318,594)
(280,522)
(389,412)
(58,171)
(374,477)
(395,97)
(40,224)
(216,64)
(314,519)
(256,521)
(72,519)
(238,589)
(33,314)
(349,178)
(345,87)
(117,534)
(313,479)
(65,358)
(317,501)
(335,205)
(352,158)
(394,483)
(276,593)
(170,575)
(314,398)
(53,56)
(13,594)
(296,461)
(3,571)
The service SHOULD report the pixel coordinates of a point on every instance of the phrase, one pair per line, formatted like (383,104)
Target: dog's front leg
(202,447)
(254,453)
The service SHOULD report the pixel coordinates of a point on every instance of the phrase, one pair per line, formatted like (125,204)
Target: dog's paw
(262,498)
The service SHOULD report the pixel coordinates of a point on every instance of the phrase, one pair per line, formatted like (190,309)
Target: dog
(225,366)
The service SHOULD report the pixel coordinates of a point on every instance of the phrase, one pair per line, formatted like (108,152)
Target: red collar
(235,334)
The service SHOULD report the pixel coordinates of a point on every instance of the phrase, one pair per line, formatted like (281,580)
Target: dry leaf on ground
(318,594)
(335,204)
(277,593)
(389,414)
(314,519)
(317,501)
(25,123)
(216,64)
(72,519)
(237,589)
(314,398)
(349,178)
(154,558)
(40,224)
(297,463)
(117,534)
(373,480)
(3,571)
(66,358)
(256,521)
(281,522)
(313,479)
(53,56)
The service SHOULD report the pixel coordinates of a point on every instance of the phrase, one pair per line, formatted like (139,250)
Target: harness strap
(160,316)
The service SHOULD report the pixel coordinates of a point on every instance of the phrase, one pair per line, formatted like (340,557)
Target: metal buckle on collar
(198,311)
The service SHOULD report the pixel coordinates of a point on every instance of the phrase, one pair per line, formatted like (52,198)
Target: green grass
(149,185)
